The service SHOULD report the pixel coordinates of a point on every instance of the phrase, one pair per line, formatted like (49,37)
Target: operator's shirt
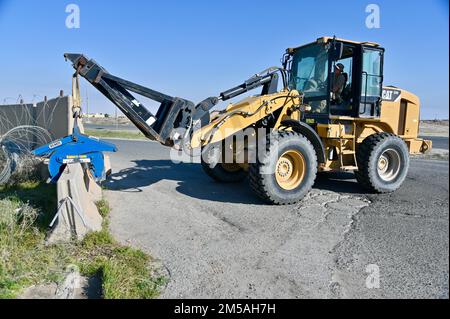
(338,84)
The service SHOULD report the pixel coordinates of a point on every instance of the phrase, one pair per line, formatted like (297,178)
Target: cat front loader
(324,109)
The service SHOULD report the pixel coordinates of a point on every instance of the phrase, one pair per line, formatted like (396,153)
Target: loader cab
(311,70)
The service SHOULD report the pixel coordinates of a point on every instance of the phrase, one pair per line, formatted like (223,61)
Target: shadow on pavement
(193,182)
(339,182)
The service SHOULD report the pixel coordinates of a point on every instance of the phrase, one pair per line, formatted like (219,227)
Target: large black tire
(265,172)
(383,162)
(224,173)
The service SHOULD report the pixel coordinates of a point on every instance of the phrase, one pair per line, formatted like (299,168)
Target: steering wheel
(320,83)
(314,84)
(310,83)
(297,79)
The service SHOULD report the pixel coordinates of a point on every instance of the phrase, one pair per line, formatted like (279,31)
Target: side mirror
(336,50)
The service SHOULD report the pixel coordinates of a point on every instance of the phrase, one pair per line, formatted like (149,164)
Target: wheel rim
(389,165)
(290,170)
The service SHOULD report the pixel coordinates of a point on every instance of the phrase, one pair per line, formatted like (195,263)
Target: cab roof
(328,39)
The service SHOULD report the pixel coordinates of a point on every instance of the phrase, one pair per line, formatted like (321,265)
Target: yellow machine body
(342,134)
(332,113)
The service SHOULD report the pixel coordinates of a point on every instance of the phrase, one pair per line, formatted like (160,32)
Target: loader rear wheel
(286,171)
(383,162)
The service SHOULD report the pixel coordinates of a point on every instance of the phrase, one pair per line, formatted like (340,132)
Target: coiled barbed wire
(38,114)
(15,150)
(22,129)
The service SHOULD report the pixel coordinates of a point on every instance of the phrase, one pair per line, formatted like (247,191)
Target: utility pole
(117,121)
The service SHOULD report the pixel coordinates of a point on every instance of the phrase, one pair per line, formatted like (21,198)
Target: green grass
(38,195)
(103,207)
(130,135)
(26,261)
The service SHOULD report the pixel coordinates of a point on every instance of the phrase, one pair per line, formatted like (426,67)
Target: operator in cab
(339,81)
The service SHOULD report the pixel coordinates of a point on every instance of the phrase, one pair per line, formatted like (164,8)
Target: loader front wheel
(225,173)
(215,166)
(287,169)
(383,163)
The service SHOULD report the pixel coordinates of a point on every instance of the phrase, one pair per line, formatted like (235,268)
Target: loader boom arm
(157,127)
(174,112)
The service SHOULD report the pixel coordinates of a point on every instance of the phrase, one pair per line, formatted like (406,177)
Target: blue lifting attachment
(75,148)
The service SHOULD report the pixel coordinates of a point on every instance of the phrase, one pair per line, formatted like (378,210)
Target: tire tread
(258,181)
(364,156)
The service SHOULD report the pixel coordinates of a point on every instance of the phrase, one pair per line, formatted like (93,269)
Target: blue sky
(194,49)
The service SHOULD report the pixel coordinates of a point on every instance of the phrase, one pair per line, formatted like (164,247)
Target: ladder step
(349,168)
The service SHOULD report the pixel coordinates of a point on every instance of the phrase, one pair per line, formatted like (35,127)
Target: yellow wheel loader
(324,109)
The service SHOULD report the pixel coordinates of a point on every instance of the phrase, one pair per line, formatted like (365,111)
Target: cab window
(310,74)
(371,83)
(342,103)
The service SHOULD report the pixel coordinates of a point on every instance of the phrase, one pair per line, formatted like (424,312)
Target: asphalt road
(219,240)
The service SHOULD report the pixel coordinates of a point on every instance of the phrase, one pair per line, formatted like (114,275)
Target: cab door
(371,82)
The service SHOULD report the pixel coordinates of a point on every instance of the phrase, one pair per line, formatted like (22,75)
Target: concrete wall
(54,115)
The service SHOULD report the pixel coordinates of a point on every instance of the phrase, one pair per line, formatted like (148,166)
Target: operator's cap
(340,66)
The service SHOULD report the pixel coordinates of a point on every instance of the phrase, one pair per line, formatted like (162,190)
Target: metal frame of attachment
(174,112)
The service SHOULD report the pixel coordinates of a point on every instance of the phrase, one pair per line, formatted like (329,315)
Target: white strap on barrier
(78,211)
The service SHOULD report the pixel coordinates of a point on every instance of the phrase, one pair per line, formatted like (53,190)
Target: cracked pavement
(220,241)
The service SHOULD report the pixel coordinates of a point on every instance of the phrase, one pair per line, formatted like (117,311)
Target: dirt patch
(434,154)
(434,128)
